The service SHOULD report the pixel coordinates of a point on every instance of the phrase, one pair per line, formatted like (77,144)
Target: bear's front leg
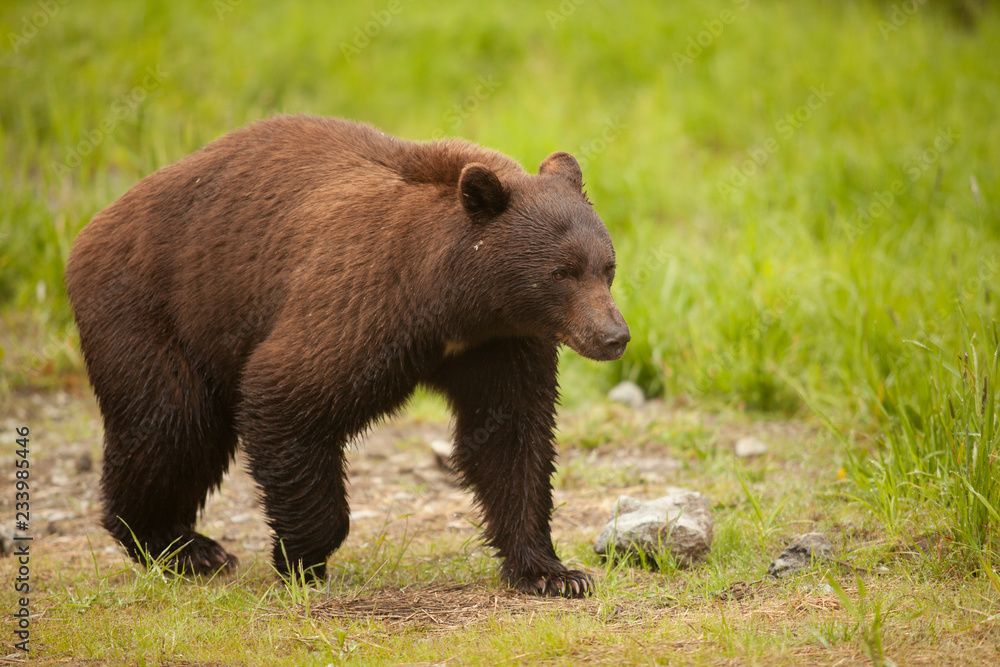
(504,395)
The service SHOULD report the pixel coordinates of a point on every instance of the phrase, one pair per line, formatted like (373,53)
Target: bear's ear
(483,195)
(564,165)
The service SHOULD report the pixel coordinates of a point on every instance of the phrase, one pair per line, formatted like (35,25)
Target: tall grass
(940,455)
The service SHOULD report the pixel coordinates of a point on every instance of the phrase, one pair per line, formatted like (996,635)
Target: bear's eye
(559,274)
(609,273)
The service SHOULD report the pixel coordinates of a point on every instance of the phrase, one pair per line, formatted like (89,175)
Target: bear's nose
(616,336)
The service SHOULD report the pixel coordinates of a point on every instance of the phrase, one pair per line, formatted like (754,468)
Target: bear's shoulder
(441,162)
(438,163)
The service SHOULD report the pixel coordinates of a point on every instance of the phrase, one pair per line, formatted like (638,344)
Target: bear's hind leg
(301,474)
(169,440)
(295,450)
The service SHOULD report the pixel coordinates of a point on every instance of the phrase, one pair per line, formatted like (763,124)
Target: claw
(566,583)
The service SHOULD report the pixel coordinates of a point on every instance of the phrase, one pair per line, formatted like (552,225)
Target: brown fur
(295,280)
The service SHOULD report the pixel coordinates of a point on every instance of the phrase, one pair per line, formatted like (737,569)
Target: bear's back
(218,241)
(286,172)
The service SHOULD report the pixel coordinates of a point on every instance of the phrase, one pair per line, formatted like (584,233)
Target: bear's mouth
(616,351)
(593,349)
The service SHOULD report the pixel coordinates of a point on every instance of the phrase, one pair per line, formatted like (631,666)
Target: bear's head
(550,255)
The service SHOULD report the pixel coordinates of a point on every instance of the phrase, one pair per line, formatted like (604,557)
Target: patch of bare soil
(393,474)
(442,607)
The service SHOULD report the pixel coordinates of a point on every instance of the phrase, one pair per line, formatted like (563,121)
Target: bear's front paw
(568,583)
(201,555)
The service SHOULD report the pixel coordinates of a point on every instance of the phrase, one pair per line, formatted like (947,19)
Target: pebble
(750,446)
(628,393)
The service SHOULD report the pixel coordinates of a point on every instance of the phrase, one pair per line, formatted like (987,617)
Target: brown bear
(294,281)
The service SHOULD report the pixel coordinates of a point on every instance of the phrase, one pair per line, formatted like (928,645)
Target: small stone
(750,446)
(681,521)
(7,538)
(800,553)
(56,515)
(51,412)
(628,393)
(254,544)
(442,454)
(649,469)
(84,464)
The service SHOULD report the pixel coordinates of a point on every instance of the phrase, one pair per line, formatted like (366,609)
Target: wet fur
(293,282)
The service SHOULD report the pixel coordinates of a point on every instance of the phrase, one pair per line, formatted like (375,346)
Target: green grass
(905,607)
(943,454)
(805,215)
(731,291)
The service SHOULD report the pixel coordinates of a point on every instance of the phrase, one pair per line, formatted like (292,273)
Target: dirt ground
(446,580)
(393,473)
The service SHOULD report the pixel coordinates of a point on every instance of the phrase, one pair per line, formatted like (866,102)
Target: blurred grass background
(803,196)
(729,146)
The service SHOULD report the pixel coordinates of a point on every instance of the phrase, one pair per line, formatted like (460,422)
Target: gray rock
(7,543)
(800,553)
(628,393)
(442,453)
(84,464)
(750,446)
(681,521)
(56,515)
(649,469)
